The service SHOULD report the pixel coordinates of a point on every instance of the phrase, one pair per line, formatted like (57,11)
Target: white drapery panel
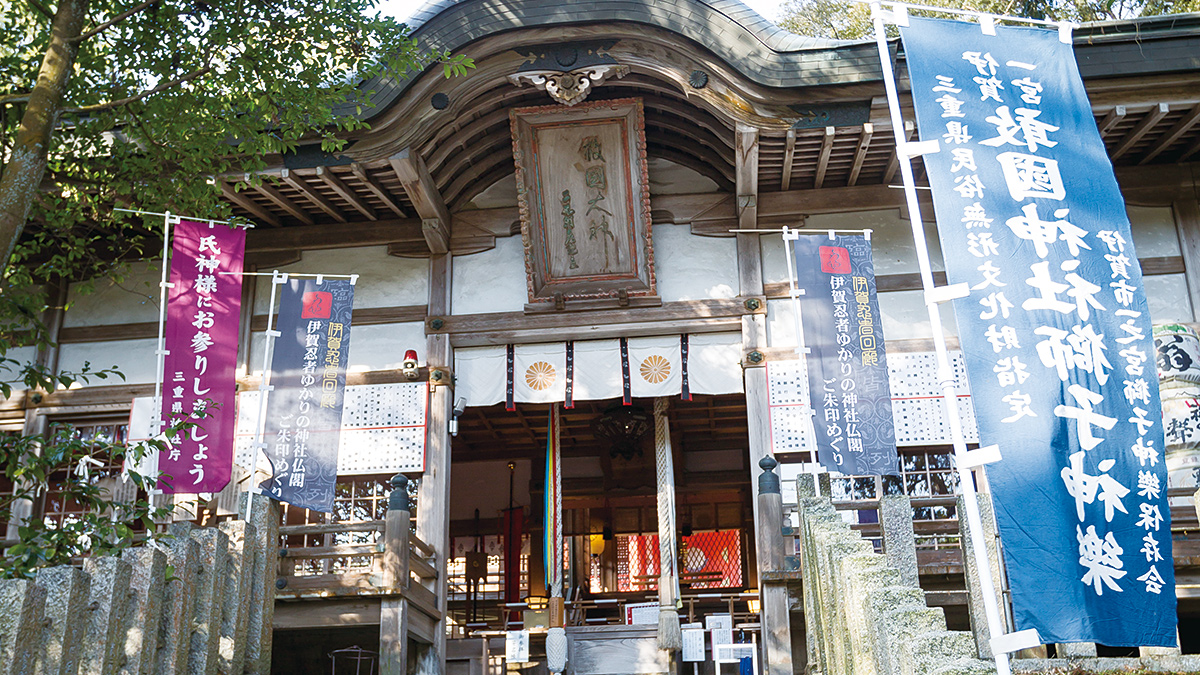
(655,369)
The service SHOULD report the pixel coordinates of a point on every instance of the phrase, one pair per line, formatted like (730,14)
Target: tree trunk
(27,163)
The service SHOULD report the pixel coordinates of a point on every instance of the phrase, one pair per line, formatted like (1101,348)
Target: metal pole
(945,372)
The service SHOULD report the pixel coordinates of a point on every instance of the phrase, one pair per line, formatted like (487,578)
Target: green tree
(138,103)
(847,20)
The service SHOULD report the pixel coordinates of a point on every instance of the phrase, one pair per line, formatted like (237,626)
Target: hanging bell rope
(669,634)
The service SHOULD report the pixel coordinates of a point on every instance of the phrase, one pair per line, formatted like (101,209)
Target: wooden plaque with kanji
(585,201)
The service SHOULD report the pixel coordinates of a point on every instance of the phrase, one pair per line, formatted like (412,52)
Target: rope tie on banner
(669,634)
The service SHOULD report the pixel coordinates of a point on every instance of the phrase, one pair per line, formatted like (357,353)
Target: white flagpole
(277,278)
(945,372)
(789,236)
(150,464)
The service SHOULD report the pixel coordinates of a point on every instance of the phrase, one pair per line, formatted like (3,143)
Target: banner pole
(790,235)
(156,422)
(264,386)
(945,372)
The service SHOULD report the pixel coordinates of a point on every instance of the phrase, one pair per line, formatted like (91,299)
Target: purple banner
(199,385)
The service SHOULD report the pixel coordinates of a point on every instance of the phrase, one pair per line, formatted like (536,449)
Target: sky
(402,9)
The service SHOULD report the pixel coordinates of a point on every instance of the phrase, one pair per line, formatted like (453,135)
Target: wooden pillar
(1187,226)
(47,357)
(393,611)
(768,525)
(433,495)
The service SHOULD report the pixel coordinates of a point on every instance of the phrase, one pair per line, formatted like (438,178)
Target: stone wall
(864,617)
(199,603)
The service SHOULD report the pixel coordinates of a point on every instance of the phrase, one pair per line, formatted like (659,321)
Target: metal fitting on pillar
(768,481)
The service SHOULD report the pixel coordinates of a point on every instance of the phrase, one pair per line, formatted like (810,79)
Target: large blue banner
(308,373)
(847,366)
(1056,331)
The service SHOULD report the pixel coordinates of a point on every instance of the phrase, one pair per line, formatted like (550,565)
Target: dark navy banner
(1056,332)
(847,367)
(308,372)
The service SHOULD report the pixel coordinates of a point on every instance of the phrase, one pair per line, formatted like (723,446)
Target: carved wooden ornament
(584,199)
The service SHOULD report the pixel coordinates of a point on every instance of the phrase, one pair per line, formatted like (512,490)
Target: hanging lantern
(596,543)
(623,427)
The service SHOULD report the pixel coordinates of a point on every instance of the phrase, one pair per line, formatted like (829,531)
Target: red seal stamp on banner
(834,260)
(319,304)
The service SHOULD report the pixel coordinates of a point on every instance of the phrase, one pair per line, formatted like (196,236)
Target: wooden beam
(360,172)
(894,163)
(1190,151)
(1111,119)
(313,237)
(342,190)
(748,250)
(292,178)
(789,156)
(418,185)
(1167,139)
(746,175)
(860,153)
(823,158)
(282,202)
(1156,113)
(245,202)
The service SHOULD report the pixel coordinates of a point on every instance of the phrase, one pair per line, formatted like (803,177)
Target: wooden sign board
(584,198)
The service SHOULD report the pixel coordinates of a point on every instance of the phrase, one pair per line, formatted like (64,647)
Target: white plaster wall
(134,358)
(1154,232)
(892,245)
(904,318)
(688,267)
(132,299)
(10,372)
(384,280)
(377,347)
(1167,295)
(491,281)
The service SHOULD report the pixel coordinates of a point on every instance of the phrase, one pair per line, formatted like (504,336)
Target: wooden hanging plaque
(584,199)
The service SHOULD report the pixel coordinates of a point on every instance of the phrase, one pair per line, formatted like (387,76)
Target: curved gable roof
(755,47)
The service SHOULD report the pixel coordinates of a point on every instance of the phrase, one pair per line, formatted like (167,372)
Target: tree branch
(115,20)
(100,107)
(42,9)
(14,98)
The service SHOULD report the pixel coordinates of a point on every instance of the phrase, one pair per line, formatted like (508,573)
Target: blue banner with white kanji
(847,365)
(1056,331)
(308,378)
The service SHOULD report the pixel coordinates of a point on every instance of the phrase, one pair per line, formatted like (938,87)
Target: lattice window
(925,473)
(707,560)
(356,498)
(57,508)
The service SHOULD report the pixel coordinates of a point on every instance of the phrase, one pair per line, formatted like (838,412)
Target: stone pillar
(207,605)
(979,624)
(239,580)
(144,610)
(264,520)
(1075,650)
(106,627)
(62,629)
(21,604)
(899,542)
